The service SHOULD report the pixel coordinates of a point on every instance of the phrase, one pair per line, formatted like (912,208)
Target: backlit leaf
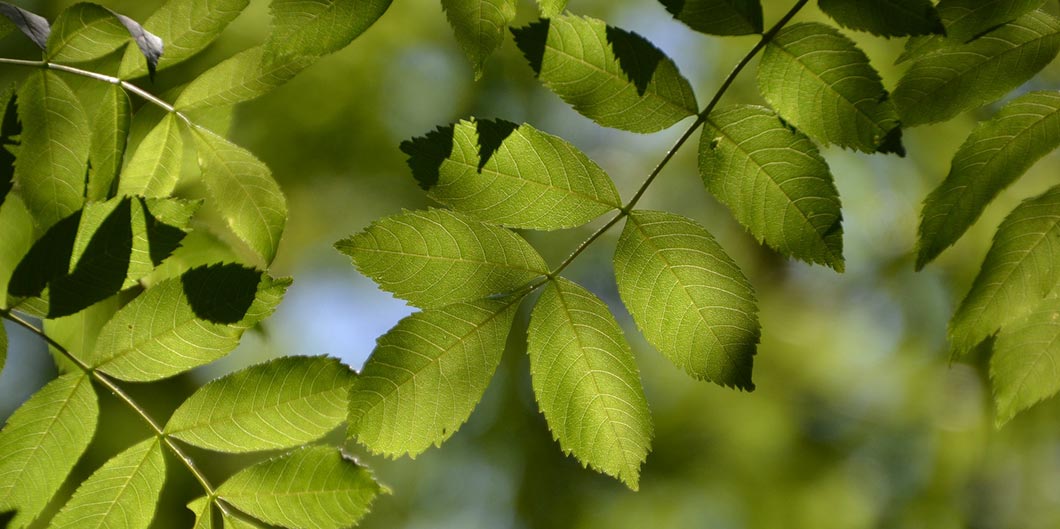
(551,8)
(965,20)
(1023,364)
(158,226)
(83,32)
(77,333)
(17,232)
(154,167)
(241,77)
(109,120)
(314,28)
(203,509)
(10,129)
(185,27)
(479,26)
(890,18)
(718,17)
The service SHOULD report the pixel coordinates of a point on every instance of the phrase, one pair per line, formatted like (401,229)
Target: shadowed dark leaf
(221,293)
(149,43)
(33,25)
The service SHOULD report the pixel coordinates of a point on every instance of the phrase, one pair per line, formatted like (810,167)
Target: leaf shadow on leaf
(221,293)
(491,135)
(427,153)
(9,130)
(531,41)
(164,239)
(102,268)
(6,517)
(47,258)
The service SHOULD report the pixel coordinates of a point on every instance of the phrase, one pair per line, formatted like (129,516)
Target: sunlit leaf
(318,27)
(551,8)
(241,77)
(83,32)
(427,374)
(586,382)
(774,181)
(185,27)
(688,297)
(614,77)
(109,120)
(154,167)
(508,174)
(203,509)
(31,24)
(1023,364)
(718,17)
(17,232)
(997,153)
(965,20)
(235,521)
(890,18)
(77,333)
(149,44)
(479,26)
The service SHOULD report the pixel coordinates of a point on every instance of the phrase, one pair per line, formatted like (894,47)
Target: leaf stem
(701,118)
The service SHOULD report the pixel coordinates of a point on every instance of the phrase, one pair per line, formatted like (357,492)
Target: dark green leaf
(890,18)
(241,77)
(966,20)
(479,26)
(1023,365)
(47,259)
(185,27)
(313,28)
(718,17)
(158,226)
(154,167)
(32,25)
(10,129)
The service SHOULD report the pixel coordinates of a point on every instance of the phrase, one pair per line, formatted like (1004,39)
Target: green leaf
(233,521)
(427,374)
(158,226)
(243,189)
(83,32)
(109,121)
(1023,364)
(184,323)
(203,509)
(50,170)
(122,494)
(241,77)
(586,382)
(479,26)
(314,28)
(774,181)
(10,129)
(890,18)
(17,232)
(47,259)
(611,76)
(688,297)
(1020,269)
(437,257)
(512,175)
(154,167)
(283,403)
(966,20)
(718,17)
(551,8)
(186,27)
(941,85)
(994,156)
(312,488)
(32,25)
(78,332)
(820,82)
(41,442)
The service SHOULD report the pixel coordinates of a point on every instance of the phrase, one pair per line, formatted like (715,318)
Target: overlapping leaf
(42,441)
(513,175)
(718,17)
(818,80)
(437,257)
(479,26)
(84,32)
(427,374)
(774,181)
(154,167)
(241,77)
(17,232)
(109,120)
(941,85)
(965,20)
(185,27)
(997,153)
(890,18)
(122,494)
(688,297)
(312,488)
(551,8)
(314,28)
(586,381)
(10,129)
(203,509)
(1023,364)
(31,24)
(614,77)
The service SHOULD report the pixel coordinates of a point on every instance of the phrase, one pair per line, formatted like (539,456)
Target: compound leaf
(186,27)
(479,26)
(1023,364)
(110,129)
(241,77)
(42,441)
(551,8)
(611,76)
(718,17)
(311,488)
(32,25)
(586,382)
(688,297)
(890,18)
(997,153)
(314,28)
(437,257)
(84,32)
(513,175)
(154,167)
(964,21)
(774,181)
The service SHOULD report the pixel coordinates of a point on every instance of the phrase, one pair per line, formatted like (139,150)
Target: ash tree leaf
(154,167)
(185,27)
(820,82)
(1023,364)
(149,44)
(241,77)
(437,257)
(158,228)
(42,441)
(512,175)
(122,494)
(551,8)
(1020,269)
(50,169)
(243,189)
(47,258)
(109,121)
(203,509)
(943,84)
(314,28)
(889,18)
(718,17)
(32,25)
(774,181)
(965,20)
(587,383)
(184,322)
(611,76)
(83,32)
(311,488)
(994,156)
(479,26)
(688,298)
(426,375)
(17,232)
(282,403)
(77,333)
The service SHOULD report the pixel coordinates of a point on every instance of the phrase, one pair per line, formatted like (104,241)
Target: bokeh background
(860,419)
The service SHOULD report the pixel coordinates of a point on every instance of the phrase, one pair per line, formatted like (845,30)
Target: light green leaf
(688,297)
(312,488)
(551,8)
(427,374)
(109,120)
(479,26)
(941,85)
(965,20)
(241,77)
(184,323)
(122,494)
(718,17)
(818,80)
(1023,364)
(1021,268)
(587,383)
(158,226)
(99,258)
(611,76)
(84,32)
(77,333)
(51,165)
(890,18)
(17,232)
(244,191)
(512,175)
(996,154)
(203,509)
(41,442)
(283,403)
(437,257)
(774,181)
(234,521)
(154,167)
(185,27)
(314,28)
